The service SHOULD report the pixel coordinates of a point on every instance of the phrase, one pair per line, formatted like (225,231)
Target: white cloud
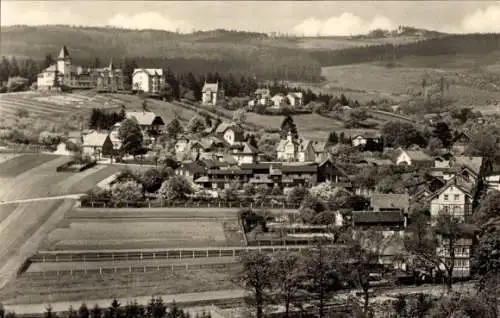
(12,13)
(482,21)
(344,24)
(148,20)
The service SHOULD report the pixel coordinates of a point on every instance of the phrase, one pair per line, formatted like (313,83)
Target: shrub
(126,192)
(17,84)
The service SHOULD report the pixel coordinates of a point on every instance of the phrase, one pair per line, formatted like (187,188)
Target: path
(59,197)
(202,296)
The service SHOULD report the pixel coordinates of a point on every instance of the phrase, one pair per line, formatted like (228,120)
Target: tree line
(156,308)
(446,45)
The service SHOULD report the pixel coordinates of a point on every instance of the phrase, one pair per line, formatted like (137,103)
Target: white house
(295,150)
(212,93)
(279,100)
(295,98)
(462,249)
(147,80)
(362,139)
(231,133)
(454,198)
(248,154)
(97,145)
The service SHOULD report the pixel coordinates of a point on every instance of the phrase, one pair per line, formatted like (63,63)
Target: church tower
(64,62)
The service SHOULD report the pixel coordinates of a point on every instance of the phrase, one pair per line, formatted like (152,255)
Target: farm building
(97,145)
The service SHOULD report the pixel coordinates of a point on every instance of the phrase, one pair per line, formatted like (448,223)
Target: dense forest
(246,54)
(447,45)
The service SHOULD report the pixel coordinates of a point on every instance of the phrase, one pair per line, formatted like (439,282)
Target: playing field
(137,234)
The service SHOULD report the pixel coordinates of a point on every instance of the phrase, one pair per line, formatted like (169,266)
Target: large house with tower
(64,73)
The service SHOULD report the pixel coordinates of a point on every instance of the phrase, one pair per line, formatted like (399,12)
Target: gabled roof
(246,148)
(63,53)
(303,144)
(415,155)
(460,135)
(150,71)
(367,135)
(381,218)
(192,166)
(144,118)
(457,182)
(296,94)
(390,200)
(473,163)
(95,139)
(210,87)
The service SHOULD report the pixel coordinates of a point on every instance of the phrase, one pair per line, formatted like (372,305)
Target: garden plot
(62,99)
(116,234)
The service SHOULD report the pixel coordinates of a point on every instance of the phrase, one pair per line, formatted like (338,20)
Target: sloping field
(34,175)
(121,234)
(19,164)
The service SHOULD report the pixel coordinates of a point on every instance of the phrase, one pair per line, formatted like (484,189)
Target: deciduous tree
(131,136)
(257,278)
(176,188)
(287,277)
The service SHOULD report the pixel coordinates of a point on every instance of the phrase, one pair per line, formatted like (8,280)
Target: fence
(91,256)
(87,203)
(83,272)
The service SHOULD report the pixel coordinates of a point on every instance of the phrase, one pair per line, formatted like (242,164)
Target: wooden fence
(101,271)
(88,203)
(98,256)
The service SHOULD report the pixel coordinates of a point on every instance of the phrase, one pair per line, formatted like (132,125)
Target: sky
(310,18)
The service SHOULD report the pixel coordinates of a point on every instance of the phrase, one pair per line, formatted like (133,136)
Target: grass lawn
(22,163)
(131,234)
(45,290)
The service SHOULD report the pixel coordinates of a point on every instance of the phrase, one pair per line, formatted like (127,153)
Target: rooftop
(390,200)
(372,217)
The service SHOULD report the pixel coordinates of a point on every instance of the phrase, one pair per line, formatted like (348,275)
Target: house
(329,172)
(279,100)
(97,145)
(460,142)
(462,248)
(455,197)
(63,72)
(212,93)
(150,123)
(470,168)
(219,179)
(412,158)
(291,149)
(297,174)
(148,80)
(296,99)
(366,139)
(376,162)
(320,151)
(262,96)
(387,222)
(232,134)
(383,202)
(191,170)
(492,179)
(181,144)
(245,153)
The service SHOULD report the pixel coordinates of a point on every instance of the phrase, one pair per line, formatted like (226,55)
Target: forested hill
(451,45)
(222,51)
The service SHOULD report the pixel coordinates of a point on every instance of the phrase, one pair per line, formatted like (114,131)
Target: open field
(466,87)
(131,234)
(119,285)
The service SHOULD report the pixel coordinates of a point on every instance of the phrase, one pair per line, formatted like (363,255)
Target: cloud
(148,20)
(13,13)
(482,21)
(344,24)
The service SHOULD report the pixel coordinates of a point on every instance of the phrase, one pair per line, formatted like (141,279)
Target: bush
(17,84)
(126,192)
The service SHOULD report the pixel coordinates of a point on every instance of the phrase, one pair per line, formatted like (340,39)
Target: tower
(64,62)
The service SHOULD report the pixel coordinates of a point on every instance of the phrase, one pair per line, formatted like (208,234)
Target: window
(457,197)
(446,197)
